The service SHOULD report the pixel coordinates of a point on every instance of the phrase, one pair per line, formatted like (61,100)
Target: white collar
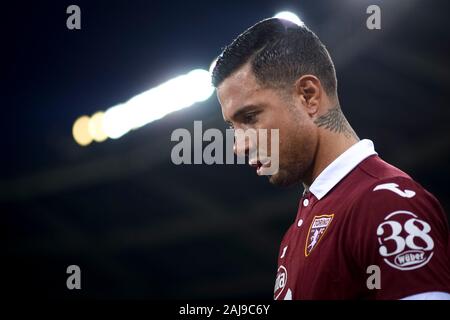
(340,167)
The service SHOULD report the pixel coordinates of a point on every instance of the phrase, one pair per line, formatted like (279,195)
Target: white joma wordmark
(394,188)
(284,252)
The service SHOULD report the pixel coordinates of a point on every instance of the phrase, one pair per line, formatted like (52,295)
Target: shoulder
(395,218)
(396,224)
(382,197)
(392,212)
(383,188)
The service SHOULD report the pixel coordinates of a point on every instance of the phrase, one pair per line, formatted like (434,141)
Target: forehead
(238,90)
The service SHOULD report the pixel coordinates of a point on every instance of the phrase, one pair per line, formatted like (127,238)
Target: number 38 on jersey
(404,239)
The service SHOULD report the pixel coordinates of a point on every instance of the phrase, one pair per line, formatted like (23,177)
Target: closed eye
(250,118)
(246,115)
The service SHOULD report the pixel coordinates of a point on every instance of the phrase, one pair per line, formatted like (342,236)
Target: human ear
(309,90)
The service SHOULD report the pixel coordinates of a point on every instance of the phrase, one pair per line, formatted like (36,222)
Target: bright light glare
(286,15)
(96,127)
(175,94)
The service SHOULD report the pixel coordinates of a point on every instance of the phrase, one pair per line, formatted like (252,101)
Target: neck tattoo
(335,121)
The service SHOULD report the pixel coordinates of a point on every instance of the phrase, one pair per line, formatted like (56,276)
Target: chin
(282,179)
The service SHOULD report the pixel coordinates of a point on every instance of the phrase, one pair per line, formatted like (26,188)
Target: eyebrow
(241,111)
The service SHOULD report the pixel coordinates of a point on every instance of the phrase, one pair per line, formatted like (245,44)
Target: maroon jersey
(364,230)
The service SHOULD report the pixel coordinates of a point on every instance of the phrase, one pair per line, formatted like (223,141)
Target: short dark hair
(280,52)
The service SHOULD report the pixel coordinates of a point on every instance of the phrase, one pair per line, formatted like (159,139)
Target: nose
(240,148)
(242,144)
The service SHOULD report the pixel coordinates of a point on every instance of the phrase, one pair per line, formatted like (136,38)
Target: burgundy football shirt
(363,218)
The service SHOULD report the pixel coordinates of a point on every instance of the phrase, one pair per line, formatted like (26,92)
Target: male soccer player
(364,229)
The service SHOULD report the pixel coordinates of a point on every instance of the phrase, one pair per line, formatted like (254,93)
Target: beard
(285,177)
(281,179)
(298,143)
(296,167)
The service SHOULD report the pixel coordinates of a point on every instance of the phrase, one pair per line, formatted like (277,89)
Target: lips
(259,165)
(255,164)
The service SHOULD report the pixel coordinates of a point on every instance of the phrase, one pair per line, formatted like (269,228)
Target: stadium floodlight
(287,15)
(174,94)
(80,131)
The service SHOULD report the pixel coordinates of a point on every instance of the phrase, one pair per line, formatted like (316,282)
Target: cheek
(297,140)
(292,131)
(285,130)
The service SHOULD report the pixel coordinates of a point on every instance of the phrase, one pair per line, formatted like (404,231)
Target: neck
(333,141)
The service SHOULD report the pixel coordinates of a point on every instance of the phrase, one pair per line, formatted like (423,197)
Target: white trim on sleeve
(432,295)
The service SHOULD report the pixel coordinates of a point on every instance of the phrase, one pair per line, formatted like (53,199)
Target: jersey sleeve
(399,240)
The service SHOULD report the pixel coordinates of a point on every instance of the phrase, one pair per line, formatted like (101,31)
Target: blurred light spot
(286,15)
(96,127)
(175,94)
(80,131)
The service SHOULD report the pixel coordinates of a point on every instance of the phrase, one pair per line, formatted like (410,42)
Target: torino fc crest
(316,231)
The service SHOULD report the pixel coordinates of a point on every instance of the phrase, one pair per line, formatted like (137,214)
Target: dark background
(142,227)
